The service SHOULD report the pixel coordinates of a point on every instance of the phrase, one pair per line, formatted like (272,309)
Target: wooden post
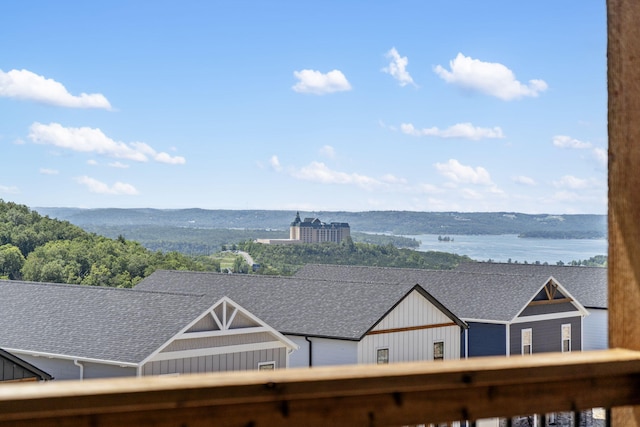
(623,61)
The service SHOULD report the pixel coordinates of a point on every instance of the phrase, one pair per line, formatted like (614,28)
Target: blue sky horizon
(334,106)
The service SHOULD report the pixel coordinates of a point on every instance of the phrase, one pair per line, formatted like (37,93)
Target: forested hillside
(38,248)
(390,222)
(286,259)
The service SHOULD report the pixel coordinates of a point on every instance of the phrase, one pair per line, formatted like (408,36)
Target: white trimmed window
(382,356)
(438,350)
(526,340)
(266,366)
(566,338)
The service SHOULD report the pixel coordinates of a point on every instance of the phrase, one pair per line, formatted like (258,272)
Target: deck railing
(363,395)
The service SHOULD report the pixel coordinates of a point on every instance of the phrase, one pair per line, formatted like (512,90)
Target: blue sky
(334,105)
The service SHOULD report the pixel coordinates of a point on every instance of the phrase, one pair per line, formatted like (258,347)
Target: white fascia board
(550,316)
(212,351)
(70,357)
(497,322)
(222,333)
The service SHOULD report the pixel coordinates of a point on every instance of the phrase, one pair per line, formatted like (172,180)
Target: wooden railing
(363,395)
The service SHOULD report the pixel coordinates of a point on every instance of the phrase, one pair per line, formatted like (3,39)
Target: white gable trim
(280,339)
(583,311)
(550,316)
(497,322)
(222,333)
(213,351)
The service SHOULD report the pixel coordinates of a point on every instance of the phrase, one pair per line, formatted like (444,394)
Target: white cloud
(460,173)
(328,151)
(601,155)
(92,162)
(392,179)
(314,82)
(460,130)
(93,140)
(118,165)
(490,78)
(24,84)
(275,163)
(45,171)
(8,189)
(319,172)
(572,182)
(564,141)
(98,187)
(524,180)
(397,68)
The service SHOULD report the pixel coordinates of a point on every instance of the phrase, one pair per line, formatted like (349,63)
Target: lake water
(502,247)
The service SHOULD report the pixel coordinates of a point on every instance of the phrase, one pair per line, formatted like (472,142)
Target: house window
(566,338)
(266,366)
(526,338)
(438,350)
(382,356)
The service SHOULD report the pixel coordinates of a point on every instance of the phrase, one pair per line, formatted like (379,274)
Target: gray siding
(595,333)
(547,335)
(9,371)
(549,309)
(218,363)
(487,339)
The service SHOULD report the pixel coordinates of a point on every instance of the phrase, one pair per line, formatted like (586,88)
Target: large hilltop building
(312,230)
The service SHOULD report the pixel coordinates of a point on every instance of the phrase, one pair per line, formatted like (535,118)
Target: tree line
(38,248)
(287,259)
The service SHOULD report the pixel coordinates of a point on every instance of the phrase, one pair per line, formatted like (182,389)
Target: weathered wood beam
(623,74)
(396,394)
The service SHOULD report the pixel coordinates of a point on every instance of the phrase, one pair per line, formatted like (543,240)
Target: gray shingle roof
(470,295)
(121,325)
(587,284)
(315,307)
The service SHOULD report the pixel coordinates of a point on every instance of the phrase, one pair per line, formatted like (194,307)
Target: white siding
(414,310)
(411,345)
(326,352)
(404,346)
(594,329)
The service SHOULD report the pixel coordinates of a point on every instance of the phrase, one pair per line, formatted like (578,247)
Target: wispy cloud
(93,140)
(460,130)
(397,68)
(490,78)
(317,83)
(45,171)
(275,163)
(328,151)
(118,165)
(24,84)
(98,187)
(319,172)
(524,180)
(459,173)
(564,141)
(8,189)
(573,183)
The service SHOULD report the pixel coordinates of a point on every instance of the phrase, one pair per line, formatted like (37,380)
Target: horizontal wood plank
(394,394)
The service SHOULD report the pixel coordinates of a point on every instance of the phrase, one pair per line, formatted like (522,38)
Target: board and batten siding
(242,361)
(325,352)
(546,335)
(409,332)
(595,335)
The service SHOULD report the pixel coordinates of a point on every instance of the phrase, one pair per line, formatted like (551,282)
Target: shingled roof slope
(87,322)
(470,295)
(587,284)
(315,307)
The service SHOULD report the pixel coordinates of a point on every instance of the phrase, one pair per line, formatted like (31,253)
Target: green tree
(11,261)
